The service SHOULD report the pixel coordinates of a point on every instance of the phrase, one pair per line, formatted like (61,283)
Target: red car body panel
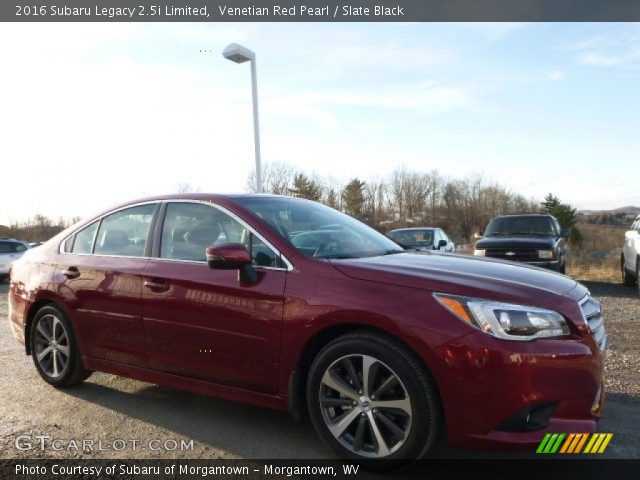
(203,330)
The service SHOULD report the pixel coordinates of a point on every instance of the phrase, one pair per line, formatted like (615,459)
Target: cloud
(556,75)
(326,107)
(608,46)
(601,59)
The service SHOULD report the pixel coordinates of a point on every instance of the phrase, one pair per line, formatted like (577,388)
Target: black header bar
(320,11)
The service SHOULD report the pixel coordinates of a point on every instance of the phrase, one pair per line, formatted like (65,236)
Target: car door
(203,323)
(100,270)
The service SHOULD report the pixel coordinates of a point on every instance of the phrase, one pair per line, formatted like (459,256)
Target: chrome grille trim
(592,313)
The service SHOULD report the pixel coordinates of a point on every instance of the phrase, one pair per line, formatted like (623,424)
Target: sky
(92,115)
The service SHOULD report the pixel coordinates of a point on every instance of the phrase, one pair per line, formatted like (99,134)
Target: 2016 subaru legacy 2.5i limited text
(288,304)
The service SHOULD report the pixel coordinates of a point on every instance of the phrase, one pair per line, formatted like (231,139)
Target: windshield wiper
(513,234)
(530,233)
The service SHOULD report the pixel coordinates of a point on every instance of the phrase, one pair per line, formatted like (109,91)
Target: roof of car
(413,228)
(526,215)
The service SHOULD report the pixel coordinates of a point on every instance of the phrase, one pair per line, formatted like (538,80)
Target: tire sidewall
(73,346)
(423,405)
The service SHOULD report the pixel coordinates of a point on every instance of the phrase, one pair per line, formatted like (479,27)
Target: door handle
(71,272)
(158,286)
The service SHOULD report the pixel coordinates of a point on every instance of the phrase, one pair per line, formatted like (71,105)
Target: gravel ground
(108,407)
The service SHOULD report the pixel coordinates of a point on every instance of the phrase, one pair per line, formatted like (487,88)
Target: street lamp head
(237,53)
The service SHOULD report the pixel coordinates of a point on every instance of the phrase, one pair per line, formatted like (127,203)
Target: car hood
(463,275)
(515,242)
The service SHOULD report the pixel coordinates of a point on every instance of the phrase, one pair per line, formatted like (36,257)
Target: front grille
(592,312)
(515,254)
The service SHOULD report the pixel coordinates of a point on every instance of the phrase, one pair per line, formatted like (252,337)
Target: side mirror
(442,243)
(478,234)
(232,256)
(565,232)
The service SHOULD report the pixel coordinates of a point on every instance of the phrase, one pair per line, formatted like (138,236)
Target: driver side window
(189,228)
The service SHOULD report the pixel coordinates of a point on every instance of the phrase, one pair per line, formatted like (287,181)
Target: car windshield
(8,247)
(520,226)
(319,231)
(413,238)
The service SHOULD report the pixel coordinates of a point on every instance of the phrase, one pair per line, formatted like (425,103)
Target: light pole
(239,54)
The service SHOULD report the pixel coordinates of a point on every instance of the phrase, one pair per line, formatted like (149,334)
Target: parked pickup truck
(533,239)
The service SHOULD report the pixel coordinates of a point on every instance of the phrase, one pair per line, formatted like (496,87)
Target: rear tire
(356,419)
(627,277)
(55,350)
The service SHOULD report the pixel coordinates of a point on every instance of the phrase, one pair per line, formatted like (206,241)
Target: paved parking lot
(107,407)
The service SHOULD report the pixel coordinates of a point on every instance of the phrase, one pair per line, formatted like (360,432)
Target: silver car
(10,251)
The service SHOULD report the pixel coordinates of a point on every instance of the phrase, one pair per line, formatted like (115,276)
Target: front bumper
(484,382)
(4,268)
(550,264)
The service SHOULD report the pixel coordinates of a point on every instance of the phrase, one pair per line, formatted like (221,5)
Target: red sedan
(289,304)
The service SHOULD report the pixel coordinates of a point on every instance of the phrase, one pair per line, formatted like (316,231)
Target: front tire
(55,350)
(370,399)
(627,277)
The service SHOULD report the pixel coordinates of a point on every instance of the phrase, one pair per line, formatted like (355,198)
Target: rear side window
(83,242)
(124,233)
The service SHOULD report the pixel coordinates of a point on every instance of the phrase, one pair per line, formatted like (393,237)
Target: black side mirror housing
(565,232)
(442,243)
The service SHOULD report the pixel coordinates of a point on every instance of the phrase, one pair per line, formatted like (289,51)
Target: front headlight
(505,320)
(479,253)
(546,254)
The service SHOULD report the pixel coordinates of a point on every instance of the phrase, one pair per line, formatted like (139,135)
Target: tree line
(408,198)
(404,198)
(38,228)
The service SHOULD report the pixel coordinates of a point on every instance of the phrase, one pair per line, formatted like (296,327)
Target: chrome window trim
(289,266)
(204,263)
(99,219)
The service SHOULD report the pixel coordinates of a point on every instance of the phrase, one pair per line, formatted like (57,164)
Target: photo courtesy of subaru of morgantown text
(234,243)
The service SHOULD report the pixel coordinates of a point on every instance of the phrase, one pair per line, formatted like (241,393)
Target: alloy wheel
(52,346)
(365,406)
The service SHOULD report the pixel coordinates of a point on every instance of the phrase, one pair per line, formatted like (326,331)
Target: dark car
(533,239)
(422,238)
(388,351)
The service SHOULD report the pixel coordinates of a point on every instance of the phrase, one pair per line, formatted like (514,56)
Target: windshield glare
(413,238)
(319,231)
(520,226)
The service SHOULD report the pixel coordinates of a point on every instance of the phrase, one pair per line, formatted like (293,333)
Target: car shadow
(241,430)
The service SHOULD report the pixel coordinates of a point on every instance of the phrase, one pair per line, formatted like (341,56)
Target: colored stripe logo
(574,443)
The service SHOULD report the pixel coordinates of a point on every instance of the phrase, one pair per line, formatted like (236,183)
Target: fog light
(528,419)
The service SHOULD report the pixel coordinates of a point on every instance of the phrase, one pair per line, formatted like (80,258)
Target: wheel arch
(33,310)
(296,397)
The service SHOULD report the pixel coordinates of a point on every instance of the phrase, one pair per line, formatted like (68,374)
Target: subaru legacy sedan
(291,305)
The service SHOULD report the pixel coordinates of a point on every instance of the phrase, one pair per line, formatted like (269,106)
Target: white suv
(630,261)
(10,251)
